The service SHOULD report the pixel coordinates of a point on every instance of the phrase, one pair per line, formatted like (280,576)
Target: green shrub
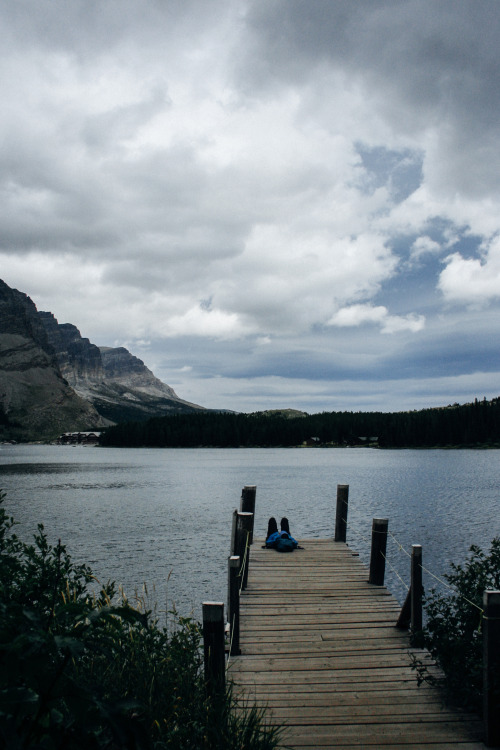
(452,632)
(78,670)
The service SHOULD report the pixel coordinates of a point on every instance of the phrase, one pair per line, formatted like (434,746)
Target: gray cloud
(259,194)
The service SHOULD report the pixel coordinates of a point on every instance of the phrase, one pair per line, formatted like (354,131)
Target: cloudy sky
(273,203)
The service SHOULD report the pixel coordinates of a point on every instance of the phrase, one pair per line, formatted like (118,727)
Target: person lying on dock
(282,540)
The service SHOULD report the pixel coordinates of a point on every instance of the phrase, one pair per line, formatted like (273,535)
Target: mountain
(118,384)
(53,380)
(35,400)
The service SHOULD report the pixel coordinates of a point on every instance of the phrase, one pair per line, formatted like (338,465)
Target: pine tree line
(471,424)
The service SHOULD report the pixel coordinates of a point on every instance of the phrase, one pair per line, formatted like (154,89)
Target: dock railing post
(234,605)
(341,514)
(232,547)
(411,611)
(248,504)
(213,647)
(378,551)
(416,588)
(244,523)
(491,667)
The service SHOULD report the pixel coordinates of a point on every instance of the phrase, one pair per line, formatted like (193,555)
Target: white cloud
(200,322)
(424,246)
(192,171)
(472,280)
(357,315)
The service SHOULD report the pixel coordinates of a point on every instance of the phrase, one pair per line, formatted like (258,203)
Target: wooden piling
(404,619)
(491,667)
(234,605)
(248,494)
(232,546)
(378,551)
(341,514)
(416,588)
(213,647)
(244,523)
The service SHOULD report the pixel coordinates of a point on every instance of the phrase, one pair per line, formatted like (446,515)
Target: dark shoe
(272,527)
(285,526)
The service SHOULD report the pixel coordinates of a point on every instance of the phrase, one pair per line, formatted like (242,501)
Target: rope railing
(243,567)
(401,548)
(231,639)
(439,579)
(379,559)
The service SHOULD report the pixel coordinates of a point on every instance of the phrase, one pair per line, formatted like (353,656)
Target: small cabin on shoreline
(79,438)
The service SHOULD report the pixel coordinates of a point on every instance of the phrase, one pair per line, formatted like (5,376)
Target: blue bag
(285,544)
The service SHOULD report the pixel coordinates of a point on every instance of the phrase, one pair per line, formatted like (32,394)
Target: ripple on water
(163,516)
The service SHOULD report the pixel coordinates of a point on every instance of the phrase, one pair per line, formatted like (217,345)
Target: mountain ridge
(52,379)
(35,400)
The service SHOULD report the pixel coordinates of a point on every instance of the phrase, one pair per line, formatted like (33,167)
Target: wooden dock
(319,649)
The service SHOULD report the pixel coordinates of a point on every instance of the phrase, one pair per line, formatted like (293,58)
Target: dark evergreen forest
(475,424)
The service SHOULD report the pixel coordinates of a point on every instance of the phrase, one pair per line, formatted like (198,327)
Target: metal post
(341,515)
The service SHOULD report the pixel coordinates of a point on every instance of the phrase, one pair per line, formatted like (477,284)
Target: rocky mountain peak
(53,380)
(79,360)
(35,400)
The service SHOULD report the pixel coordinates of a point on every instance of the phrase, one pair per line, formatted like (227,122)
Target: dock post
(416,588)
(411,611)
(378,551)
(232,548)
(234,605)
(404,618)
(248,504)
(244,523)
(341,515)
(491,667)
(213,647)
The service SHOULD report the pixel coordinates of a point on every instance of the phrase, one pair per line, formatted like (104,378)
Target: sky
(273,203)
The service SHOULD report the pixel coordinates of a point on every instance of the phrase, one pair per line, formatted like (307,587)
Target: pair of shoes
(272,526)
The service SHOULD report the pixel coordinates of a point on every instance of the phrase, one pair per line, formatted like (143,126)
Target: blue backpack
(285,544)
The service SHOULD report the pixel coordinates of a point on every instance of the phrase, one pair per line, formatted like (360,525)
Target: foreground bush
(452,632)
(80,671)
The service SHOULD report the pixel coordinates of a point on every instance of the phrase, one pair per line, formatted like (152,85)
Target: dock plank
(321,652)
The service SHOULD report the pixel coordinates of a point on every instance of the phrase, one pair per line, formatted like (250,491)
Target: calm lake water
(163,517)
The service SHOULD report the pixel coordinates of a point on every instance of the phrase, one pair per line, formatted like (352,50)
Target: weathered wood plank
(321,651)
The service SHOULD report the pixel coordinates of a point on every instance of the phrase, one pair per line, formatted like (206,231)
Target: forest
(468,425)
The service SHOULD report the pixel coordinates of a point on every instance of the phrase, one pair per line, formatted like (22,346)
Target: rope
(433,575)
(399,545)
(230,645)
(401,548)
(447,585)
(241,574)
(394,570)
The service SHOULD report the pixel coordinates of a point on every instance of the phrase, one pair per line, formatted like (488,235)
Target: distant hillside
(53,380)
(475,424)
(285,413)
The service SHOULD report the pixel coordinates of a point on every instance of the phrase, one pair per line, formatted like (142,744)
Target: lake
(162,517)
